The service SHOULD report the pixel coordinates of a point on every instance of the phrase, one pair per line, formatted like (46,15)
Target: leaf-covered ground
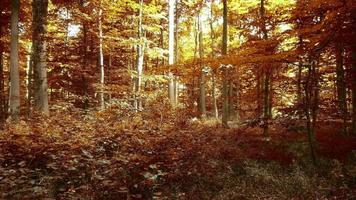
(156,155)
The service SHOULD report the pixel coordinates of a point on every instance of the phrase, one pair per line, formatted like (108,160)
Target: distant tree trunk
(259,90)
(171,89)
(85,59)
(176,36)
(267,75)
(215,105)
(353,88)
(39,13)
(101,58)
(231,102)
(29,81)
(309,107)
(225,110)
(3,112)
(299,83)
(202,104)
(238,99)
(341,85)
(14,62)
(176,46)
(140,57)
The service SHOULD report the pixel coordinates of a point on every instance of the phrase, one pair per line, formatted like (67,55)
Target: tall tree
(39,54)
(341,85)
(101,57)
(14,62)
(353,88)
(202,104)
(140,57)
(171,89)
(266,75)
(212,38)
(3,111)
(225,96)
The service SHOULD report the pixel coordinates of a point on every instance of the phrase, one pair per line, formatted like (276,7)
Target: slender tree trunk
(353,88)
(85,58)
(215,105)
(259,90)
(225,114)
(40,11)
(267,77)
(309,96)
(29,81)
(140,57)
(231,106)
(171,88)
(202,104)
(14,62)
(299,83)
(3,112)
(101,58)
(176,46)
(299,89)
(341,85)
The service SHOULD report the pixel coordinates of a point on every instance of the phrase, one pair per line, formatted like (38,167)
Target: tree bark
(29,82)
(353,88)
(171,89)
(267,77)
(202,104)
(14,62)
(39,45)
(225,114)
(140,57)
(341,85)
(3,111)
(213,76)
(101,58)
(309,108)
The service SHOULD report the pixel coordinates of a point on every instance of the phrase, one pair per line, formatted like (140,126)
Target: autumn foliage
(178,99)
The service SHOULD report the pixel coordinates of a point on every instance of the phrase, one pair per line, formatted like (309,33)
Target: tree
(340,84)
(266,76)
(202,104)
(39,56)
(171,89)
(225,110)
(140,57)
(14,62)
(101,58)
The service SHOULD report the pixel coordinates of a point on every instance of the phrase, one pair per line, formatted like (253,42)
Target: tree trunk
(171,89)
(29,82)
(353,88)
(3,111)
(176,46)
(14,62)
(215,105)
(225,114)
(267,77)
(85,59)
(341,85)
(308,108)
(39,45)
(202,104)
(299,83)
(140,57)
(101,58)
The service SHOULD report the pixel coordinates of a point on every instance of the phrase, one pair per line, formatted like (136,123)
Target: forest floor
(153,155)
